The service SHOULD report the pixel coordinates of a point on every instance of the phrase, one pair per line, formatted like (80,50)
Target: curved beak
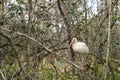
(70,45)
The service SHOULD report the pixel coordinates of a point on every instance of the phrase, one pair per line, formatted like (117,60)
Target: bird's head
(74,40)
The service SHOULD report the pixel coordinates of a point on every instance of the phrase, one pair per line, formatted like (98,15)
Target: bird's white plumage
(80,47)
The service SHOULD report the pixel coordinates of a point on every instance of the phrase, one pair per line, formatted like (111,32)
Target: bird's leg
(81,57)
(83,62)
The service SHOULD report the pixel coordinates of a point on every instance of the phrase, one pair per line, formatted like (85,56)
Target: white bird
(81,48)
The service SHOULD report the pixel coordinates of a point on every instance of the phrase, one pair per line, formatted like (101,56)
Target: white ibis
(81,48)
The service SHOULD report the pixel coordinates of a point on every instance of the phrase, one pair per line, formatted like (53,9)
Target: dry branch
(47,49)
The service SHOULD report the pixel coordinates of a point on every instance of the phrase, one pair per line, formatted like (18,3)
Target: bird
(79,48)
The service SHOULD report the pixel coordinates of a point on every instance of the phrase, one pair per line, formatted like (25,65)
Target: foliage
(35,36)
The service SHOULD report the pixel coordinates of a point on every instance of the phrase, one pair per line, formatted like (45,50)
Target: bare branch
(4,78)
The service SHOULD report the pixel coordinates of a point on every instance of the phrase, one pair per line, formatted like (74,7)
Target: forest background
(35,37)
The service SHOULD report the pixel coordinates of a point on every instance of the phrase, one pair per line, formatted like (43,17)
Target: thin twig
(4,78)
(25,35)
(78,67)
(49,50)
